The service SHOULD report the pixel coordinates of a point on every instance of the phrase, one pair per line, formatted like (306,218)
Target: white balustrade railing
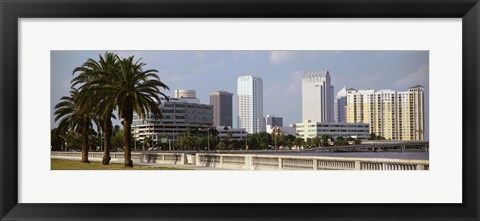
(259,162)
(269,162)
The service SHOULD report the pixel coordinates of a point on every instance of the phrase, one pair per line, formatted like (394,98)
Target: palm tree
(135,89)
(93,76)
(74,118)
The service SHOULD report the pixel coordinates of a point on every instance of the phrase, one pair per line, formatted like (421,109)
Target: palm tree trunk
(85,143)
(107,128)
(127,132)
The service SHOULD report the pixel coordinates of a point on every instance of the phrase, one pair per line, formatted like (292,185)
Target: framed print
(173,110)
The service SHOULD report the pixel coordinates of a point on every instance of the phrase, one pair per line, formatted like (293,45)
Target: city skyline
(281,71)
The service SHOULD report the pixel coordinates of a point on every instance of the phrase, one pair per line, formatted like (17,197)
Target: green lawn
(77,165)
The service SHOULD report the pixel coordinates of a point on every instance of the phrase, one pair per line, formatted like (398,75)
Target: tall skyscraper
(317,97)
(412,114)
(341,106)
(222,108)
(249,103)
(392,115)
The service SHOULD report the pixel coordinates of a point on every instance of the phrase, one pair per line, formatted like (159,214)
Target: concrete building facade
(179,114)
(392,115)
(270,122)
(237,133)
(341,106)
(309,129)
(317,97)
(222,108)
(249,103)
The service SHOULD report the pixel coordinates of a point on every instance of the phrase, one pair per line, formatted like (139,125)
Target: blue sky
(281,71)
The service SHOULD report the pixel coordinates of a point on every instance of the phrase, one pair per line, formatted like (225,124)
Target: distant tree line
(202,140)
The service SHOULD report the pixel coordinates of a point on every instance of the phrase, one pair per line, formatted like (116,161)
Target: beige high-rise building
(416,114)
(392,115)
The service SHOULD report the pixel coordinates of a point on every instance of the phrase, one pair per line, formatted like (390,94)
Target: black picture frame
(11,11)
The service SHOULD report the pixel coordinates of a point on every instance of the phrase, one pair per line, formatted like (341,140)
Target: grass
(77,165)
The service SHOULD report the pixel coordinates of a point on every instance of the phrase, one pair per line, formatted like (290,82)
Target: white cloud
(280,56)
(418,77)
(295,82)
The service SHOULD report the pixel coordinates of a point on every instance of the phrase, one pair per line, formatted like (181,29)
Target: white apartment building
(317,97)
(250,103)
(309,129)
(392,115)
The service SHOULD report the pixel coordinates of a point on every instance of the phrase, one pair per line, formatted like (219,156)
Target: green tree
(186,140)
(74,118)
(164,146)
(309,142)
(92,77)
(94,141)
(290,141)
(118,140)
(263,140)
(132,89)
(373,136)
(252,141)
(280,140)
(56,140)
(340,141)
(147,142)
(299,142)
(316,141)
(222,145)
(73,140)
(196,143)
(326,139)
(213,133)
(116,128)
(229,137)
